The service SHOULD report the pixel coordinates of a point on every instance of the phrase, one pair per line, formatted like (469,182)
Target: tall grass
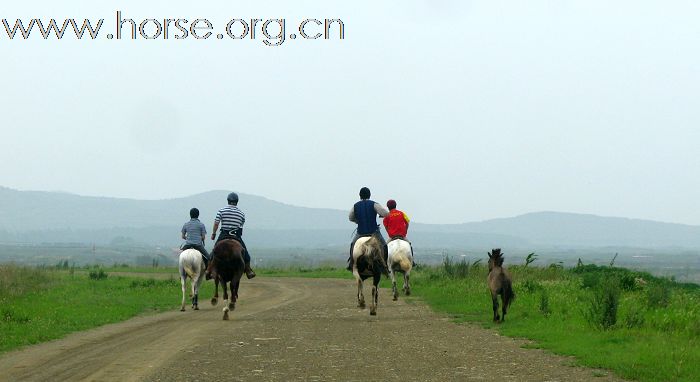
(640,326)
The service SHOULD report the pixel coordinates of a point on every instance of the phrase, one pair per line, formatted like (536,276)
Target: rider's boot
(249,272)
(349,267)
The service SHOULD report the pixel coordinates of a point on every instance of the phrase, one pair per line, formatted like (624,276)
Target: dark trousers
(224,235)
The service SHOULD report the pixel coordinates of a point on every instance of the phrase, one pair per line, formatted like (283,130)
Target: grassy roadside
(641,327)
(38,305)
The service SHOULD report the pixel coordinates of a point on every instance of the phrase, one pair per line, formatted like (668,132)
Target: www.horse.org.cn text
(272,31)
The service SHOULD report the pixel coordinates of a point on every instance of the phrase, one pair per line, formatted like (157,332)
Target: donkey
(368,261)
(227,266)
(400,260)
(191,265)
(500,283)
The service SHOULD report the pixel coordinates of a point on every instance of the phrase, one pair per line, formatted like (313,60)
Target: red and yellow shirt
(396,223)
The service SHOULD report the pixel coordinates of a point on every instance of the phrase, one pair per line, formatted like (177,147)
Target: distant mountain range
(37,216)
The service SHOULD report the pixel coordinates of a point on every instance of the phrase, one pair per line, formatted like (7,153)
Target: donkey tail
(508,293)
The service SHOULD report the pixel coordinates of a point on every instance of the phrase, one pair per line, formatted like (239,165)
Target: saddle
(398,237)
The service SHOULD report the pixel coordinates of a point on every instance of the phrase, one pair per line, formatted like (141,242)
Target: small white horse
(191,265)
(368,261)
(400,260)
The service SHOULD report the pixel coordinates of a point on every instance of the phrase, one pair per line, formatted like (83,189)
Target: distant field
(681,264)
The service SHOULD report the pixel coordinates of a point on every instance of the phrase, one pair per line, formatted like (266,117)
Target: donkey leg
(494,300)
(504,300)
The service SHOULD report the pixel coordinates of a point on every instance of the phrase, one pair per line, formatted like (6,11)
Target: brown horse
(500,283)
(227,267)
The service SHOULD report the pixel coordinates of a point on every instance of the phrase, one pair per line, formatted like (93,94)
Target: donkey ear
(489,253)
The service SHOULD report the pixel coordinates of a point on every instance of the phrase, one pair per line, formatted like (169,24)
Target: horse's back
(190,262)
(400,255)
(227,256)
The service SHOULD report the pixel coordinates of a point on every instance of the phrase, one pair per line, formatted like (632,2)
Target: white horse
(191,265)
(368,261)
(400,260)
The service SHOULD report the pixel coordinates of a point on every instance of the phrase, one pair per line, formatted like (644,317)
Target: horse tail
(405,264)
(508,293)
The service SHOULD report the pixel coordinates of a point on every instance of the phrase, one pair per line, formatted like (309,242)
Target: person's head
(391,204)
(364,193)
(194,213)
(232,198)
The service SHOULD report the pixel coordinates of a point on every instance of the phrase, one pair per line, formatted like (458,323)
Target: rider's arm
(380,210)
(213,231)
(352,216)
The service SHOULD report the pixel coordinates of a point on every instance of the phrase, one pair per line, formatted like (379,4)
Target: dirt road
(286,330)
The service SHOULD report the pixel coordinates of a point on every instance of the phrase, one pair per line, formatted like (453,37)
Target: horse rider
(194,233)
(231,219)
(396,224)
(364,213)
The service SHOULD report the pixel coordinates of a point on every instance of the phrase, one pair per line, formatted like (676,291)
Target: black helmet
(232,198)
(364,193)
(194,213)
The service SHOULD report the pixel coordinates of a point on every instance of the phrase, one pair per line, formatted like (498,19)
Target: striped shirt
(230,218)
(194,231)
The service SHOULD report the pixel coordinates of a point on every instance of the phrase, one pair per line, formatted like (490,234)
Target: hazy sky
(460,110)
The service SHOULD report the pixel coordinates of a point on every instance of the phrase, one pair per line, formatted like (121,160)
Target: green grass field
(604,316)
(653,336)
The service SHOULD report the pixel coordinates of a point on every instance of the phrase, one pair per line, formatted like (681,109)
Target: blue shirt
(194,230)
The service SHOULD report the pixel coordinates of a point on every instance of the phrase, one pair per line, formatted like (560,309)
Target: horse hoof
(225,316)
(373,313)
(232,306)
(196,307)
(182,309)
(214,301)
(408,293)
(395,298)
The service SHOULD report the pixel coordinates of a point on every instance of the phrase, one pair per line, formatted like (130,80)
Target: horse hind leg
(184,288)
(226,304)
(232,300)
(375,295)
(406,284)
(360,296)
(394,289)
(215,298)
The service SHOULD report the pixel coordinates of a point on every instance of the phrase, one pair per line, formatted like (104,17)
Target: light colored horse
(191,265)
(368,261)
(400,260)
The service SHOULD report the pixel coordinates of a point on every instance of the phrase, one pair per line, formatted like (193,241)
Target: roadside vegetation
(44,303)
(641,327)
